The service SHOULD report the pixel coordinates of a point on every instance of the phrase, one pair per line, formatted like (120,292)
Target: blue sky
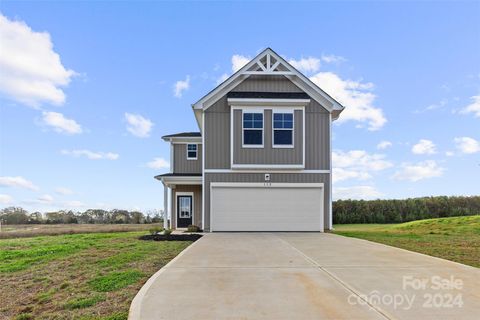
(88,88)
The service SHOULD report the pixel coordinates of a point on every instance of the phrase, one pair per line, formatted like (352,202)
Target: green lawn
(81,276)
(456,238)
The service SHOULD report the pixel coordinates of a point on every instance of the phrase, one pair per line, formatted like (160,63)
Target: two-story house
(262,158)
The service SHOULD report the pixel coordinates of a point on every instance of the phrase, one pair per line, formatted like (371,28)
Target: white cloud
(46,198)
(340,174)
(467,145)
(238,61)
(19,182)
(424,146)
(384,145)
(474,107)
(91,155)
(138,125)
(356,98)
(360,159)
(158,163)
(63,191)
(331,58)
(5,199)
(181,86)
(357,164)
(61,124)
(356,192)
(309,64)
(449,153)
(32,72)
(419,171)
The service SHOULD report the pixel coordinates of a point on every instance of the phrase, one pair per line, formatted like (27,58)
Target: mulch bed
(171,237)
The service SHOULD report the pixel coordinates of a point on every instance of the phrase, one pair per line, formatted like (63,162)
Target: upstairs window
(283,129)
(253,129)
(191,151)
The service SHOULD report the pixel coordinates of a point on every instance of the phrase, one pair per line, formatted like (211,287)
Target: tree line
(396,211)
(344,211)
(17,215)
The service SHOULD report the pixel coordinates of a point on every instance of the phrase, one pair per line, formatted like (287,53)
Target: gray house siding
(267,84)
(217,144)
(197,203)
(260,177)
(267,154)
(181,164)
(317,137)
(217,132)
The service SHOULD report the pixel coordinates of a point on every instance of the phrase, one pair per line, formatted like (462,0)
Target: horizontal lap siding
(260,177)
(181,164)
(268,154)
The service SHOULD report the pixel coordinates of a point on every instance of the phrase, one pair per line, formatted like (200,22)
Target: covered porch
(182,199)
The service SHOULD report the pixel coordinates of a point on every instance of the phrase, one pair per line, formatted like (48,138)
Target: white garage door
(260,207)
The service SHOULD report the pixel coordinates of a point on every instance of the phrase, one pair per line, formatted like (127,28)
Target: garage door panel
(267,209)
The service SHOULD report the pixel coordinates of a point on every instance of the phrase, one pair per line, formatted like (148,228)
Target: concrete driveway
(306,276)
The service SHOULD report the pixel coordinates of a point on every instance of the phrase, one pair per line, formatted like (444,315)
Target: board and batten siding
(217,137)
(267,154)
(274,178)
(317,137)
(197,203)
(180,162)
(217,133)
(267,84)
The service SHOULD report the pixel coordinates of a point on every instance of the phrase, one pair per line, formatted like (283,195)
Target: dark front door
(184,211)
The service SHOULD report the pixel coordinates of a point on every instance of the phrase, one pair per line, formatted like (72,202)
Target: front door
(184,211)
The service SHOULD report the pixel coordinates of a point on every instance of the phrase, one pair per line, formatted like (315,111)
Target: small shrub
(24,316)
(155,230)
(193,228)
(167,232)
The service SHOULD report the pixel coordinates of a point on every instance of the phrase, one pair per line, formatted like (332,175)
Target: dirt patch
(172,237)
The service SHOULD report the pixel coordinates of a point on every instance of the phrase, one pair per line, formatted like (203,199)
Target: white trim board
(263,171)
(268,166)
(268,102)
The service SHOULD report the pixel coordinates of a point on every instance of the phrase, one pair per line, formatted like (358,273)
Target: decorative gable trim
(269,62)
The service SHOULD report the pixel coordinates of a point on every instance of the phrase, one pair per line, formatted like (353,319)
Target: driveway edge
(414,252)
(135,306)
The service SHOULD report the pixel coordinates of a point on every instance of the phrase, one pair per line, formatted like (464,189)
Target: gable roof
(268,62)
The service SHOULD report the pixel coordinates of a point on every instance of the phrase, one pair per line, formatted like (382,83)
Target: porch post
(165,206)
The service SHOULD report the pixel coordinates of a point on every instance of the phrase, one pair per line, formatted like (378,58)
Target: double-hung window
(252,129)
(283,129)
(191,151)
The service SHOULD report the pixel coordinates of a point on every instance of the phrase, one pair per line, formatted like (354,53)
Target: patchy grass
(455,238)
(35,230)
(115,280)
(79,276)
(80,303)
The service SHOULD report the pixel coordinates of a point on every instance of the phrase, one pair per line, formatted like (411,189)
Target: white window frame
(254,146)
(283,146)
(196,151)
